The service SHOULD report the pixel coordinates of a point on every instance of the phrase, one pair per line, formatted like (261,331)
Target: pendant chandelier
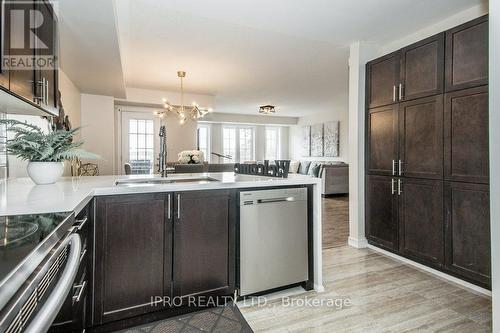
(183,113)
(266,109)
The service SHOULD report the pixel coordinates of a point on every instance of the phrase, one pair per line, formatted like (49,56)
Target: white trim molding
(359,243)
(437,273)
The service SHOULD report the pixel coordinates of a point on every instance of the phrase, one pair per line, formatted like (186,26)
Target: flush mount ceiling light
(183,113)
(267,109)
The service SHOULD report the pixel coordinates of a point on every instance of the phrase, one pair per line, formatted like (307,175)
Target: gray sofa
(334,175)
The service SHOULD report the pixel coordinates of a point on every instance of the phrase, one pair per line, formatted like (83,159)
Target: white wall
(494,107)
(98,130)
(71,103)
(360,53)
(341,114)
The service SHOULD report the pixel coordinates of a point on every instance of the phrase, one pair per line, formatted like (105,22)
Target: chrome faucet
(162,158)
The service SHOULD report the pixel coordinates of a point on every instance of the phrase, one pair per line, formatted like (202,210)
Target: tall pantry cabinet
(427,176)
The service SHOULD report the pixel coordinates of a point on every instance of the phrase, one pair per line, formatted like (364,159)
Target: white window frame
(237,128)
(209,140)
(278,141)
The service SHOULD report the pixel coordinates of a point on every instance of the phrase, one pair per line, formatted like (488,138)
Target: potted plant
(44,151)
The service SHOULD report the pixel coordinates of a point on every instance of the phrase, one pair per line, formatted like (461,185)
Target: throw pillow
(304,167)
(294,166)
(314,169)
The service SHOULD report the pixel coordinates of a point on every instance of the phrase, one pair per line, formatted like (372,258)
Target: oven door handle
(56,299)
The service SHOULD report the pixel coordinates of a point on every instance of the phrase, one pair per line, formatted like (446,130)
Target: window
(272,143)
(204,140)
(239,142)
(141,146)
(246,145)
(229,142)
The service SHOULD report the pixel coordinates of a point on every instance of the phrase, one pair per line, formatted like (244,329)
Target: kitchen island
(182,231)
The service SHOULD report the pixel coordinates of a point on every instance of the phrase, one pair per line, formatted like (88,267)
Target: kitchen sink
(159,181)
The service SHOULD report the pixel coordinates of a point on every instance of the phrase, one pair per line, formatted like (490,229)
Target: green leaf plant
(32,144)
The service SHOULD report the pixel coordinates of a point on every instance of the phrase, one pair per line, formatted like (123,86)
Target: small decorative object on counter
(190,157)
(278,169)
(45,151)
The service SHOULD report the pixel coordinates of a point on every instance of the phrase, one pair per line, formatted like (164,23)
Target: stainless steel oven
(42,257)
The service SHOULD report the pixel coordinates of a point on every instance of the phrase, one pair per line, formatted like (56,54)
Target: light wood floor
(385,296)
(335,221)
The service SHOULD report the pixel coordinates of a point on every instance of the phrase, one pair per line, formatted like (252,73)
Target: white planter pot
(45,172)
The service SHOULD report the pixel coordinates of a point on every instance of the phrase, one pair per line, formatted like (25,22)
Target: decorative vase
(43,173)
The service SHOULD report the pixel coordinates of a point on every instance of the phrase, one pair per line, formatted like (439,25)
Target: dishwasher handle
(285,199)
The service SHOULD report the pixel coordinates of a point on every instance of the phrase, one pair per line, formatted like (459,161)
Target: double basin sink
(164,180)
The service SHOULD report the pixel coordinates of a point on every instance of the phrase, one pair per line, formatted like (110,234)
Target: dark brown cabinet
(422,68)
(47,77)
(4,40)
(421,138)
(427,176)
(468,231)
(382,144)
(21,81)
(467,55)
(204,244)
(133,254)
(162,245)
(466,135)
(421,220)
(33,72)
(382,77)
(382,211)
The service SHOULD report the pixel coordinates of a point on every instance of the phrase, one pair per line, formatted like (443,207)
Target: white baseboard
(445,276)
(357,243)
(319,288)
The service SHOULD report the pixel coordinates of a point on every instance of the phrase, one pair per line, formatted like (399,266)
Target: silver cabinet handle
(169,213)
(54,302)
(80,287)
(400,183)
(400,163)
(46,91)
(393,189)
(178,206)
(393,167)
(400,91)
(41,97)
(394,93)
(44,84)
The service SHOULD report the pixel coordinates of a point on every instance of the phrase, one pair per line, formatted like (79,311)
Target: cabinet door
(382,134)
(381,212)
(22,81)
(466,135)
(204,245)
(382,79)
(132,254)
(467,55)
(48,74)
(421,220)
(421,138)
(422,68)
(468,231)
(4,42)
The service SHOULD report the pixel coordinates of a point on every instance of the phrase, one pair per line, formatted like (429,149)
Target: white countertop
(21,196)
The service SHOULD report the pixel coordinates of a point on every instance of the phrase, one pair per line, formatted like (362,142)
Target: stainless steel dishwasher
(273,239)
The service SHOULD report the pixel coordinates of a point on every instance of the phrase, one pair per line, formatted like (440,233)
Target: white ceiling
(290,53)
